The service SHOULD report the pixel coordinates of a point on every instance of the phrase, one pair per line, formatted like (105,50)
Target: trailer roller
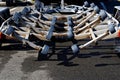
(103,15)
(111,27)
(42,55)
(96,10)
(75,49)
(45,49)
(16,17)
(86,4)
(9,30)
(26,11)
(65,23)
(92,5)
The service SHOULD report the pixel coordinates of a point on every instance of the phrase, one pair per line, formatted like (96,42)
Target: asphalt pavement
(99,62)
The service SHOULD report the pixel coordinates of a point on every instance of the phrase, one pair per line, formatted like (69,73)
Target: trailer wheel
(9,2)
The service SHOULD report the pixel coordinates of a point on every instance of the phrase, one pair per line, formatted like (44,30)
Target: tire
(9,2)
(112,28)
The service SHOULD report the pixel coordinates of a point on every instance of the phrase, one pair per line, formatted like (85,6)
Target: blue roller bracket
(86,4)
(9,30)
(70,28)
(16,17)
(39,5)
(26,11)
(75,49)
(50,32)
(45,49)
(96,9)
(103,15)
(70,23)
(92,5)
(69,19)
(70,34)
(111,27)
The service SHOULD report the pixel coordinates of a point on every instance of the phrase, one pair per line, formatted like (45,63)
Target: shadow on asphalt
(105,64)
(16,47)
(65,55)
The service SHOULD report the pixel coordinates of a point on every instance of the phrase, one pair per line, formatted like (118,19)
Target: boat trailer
(50,24)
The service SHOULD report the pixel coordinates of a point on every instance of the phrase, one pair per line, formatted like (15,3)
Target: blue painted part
(70,34)
(96,9)
(39,5)
(9,30)
(50,32)
(51,28)
(16,17)
(75,49)
(70,23)
(69,18)
(5,13)
(53,21)
(92,5)
(103,15)
(26,10)
(70,28)
(111,28)
(86,4)
(45,49)
(49,35)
